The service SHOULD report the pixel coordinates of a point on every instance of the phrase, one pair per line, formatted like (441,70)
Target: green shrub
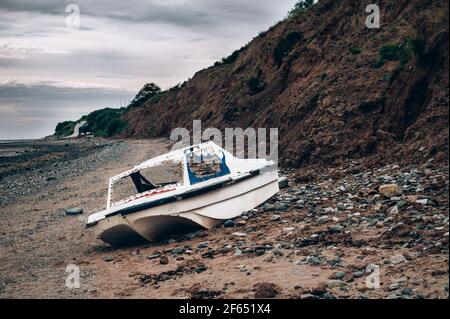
(64,129)
(354,50)
(114,127)
(394,53)
(285,46)
(232,57)
(300,6)
(147,92)
(255,85)
(399,52)
(106,122)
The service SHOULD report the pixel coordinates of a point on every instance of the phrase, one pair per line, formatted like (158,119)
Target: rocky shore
(328,231)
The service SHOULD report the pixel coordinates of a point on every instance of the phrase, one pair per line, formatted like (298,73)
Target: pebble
(203,245)
(74,211)
(323,219)
(260,252)
(164,260)
(281,207)
(266,290)
(336,229)
(397,259)
(283,182)
(278,250)
(313,260)
(288,229)
(394,210)
(394,286)
(268,207)
(334,283)
(401,203)
(229,224)
(275,218)
(390,190)
(422,201)
(237,234)
(339,275)
(178,251)
(379,224)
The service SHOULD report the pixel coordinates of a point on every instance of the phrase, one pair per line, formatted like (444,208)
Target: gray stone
(278,250)
(339,275)
(260,252)
(178,251)
(108,259)
(239,234)
(268,208)
(283,182)
(335,283)
(229,224)
(323,219)
(336,229)
(155,256)
(275,218)
(288,229)
(203,245)
(164,260)
(422,201)
(390,190)
(397,259)
(401,203)
(74,211)
(313,260)
(281,207)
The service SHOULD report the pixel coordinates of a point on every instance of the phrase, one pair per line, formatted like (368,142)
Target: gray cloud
(178,12)
(120,44)
(30,109)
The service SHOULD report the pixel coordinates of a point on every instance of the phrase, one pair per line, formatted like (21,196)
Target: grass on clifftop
(104,123)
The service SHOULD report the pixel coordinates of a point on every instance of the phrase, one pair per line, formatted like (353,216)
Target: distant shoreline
(19,140)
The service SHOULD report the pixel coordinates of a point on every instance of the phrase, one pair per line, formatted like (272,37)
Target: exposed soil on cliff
(335,89)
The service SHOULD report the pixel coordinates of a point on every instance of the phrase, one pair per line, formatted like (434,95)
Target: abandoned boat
(198,186)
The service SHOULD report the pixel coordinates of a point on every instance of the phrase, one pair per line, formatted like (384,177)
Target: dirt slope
(334,88)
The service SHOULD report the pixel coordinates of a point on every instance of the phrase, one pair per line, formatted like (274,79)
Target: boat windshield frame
(178,157)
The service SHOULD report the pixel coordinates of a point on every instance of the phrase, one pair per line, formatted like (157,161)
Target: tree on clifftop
(301,6)
(148,91)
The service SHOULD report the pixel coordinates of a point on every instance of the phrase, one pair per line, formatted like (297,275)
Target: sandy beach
(315,239)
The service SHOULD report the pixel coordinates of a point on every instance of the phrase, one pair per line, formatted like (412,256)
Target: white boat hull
(205,210)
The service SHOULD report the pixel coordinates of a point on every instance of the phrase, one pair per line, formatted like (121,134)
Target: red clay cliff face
(318,78)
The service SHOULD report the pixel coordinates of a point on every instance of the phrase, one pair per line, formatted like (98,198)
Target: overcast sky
(50,72)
